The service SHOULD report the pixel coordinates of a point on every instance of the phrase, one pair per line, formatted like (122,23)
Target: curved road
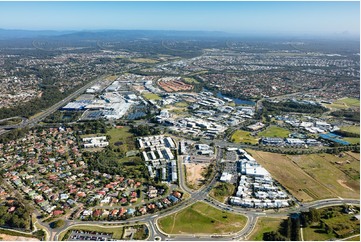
(202,195)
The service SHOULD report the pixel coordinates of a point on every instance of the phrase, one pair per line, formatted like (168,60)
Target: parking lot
(231,156)
(89,235)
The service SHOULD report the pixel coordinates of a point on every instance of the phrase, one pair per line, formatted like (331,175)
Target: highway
(39,117)
(200,195)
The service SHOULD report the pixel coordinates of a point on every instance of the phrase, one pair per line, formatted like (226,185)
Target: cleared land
(241,136)
(6,237)
(174,85)
(151,96)
(111,78)
(344,103)
(201,218)
(194,174)
(117,231)
(353,154)
(352,129)
(264,225)
(274,131)
(122,138)
(313,177)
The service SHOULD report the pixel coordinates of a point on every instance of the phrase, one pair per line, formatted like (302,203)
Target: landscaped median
(201,218)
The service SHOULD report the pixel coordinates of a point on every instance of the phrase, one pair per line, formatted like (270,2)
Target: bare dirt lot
(194,174)
(6,237)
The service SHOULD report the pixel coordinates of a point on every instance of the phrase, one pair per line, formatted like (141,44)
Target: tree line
(289,230)
(348,114)
(291,106)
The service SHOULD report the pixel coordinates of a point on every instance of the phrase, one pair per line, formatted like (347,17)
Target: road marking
(155,216)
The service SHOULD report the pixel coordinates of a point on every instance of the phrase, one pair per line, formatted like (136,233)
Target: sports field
(241,136)
(274,131)
(151,96)
(201,218)
(263,225)
(315,176)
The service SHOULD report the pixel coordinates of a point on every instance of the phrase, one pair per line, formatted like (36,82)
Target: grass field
(352,140)
(352,129)
(344,103)
(342,224)
(315,176)
(241,136)
(201,218)
(324,170)
(11,121)
(117,231)
(315,233)
(181,104)
(111,78)
(274,131)
(144,60)
(119,134)
(343,219)
(265,224)
(122,138)
(222,194)
(190,80)
(152,96)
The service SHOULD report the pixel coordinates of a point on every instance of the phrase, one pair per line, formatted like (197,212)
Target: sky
(234,17)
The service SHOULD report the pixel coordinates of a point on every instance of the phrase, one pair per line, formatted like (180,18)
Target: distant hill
(17,34)
(109,34)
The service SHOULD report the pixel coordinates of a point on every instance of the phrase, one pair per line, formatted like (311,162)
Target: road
(33,121)
(200,195)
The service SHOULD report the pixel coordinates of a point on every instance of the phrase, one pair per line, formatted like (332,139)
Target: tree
(273,236)
(57,224)
(314,215)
